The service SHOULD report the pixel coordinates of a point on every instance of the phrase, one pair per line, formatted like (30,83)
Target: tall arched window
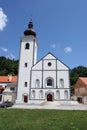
(65,94)
(37,83)
(27,46)
(49,82)
(57,94)
(33,93)
(41,94)
(61,83)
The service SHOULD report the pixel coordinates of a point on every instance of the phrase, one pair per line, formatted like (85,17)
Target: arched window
(41,94)
(65,94)
(27,46)
(61,83)
(33,93)
(49,82)
(57,94)
(37,83)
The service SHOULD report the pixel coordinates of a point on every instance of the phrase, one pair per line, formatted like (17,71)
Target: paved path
(51,106)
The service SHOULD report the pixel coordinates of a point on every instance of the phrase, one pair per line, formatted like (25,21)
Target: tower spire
(30,30)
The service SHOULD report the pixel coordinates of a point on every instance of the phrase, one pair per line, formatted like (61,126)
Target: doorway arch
(49,97)
(25,98)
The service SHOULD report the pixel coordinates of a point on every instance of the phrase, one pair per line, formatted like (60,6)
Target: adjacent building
(8,87)
(80,88)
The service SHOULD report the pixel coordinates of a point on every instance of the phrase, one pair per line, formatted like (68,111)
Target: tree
(8,66)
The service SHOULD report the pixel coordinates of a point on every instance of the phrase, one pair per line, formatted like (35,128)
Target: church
(44,80)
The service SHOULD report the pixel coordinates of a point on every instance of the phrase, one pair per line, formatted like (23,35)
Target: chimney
(10,78)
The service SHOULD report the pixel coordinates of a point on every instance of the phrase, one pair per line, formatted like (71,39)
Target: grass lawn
(26,119)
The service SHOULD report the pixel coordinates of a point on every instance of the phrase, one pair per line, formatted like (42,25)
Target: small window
(27,46)
(12,88)
(26,64)
(25,84)
(37,84)
(49,64)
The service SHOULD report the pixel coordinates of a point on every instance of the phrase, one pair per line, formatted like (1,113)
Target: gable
(61,65)
(50,58)
(37,66)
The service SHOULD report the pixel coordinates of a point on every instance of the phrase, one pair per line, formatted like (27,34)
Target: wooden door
(49,97)
(25,98)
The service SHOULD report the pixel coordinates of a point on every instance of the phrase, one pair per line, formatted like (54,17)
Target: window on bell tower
(26,64)
(25,84)
(27,46)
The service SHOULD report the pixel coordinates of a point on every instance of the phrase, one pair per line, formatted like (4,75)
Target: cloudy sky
(61,27)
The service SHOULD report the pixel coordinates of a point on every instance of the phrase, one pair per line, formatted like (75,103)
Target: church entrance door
(25,98)
(49,97)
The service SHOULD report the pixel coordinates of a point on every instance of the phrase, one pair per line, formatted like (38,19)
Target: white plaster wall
(37,66)
(61,66)
(47,91)
(36,75)
(65,76)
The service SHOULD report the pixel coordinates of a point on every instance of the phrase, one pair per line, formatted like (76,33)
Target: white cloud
(3,19)
(53,46)
(68,49)
(12,56)
(4,49)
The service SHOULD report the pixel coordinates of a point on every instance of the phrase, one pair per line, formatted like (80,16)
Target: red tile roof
(83,79)
(81,82)
(4,79)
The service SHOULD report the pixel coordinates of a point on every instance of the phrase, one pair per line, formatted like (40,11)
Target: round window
(49,64)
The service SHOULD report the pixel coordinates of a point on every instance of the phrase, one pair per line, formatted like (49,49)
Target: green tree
(8,66)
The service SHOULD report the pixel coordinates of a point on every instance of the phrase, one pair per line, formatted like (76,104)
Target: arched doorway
(25,98)
(49,97)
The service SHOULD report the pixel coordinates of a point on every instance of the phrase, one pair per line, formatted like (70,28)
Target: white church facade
(44,80)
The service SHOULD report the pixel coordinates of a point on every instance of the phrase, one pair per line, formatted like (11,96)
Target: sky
(61,27)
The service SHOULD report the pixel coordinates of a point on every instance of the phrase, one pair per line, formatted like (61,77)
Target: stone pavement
(52,105)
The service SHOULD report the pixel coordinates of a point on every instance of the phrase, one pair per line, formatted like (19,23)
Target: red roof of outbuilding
(83,79)
(4,79)
(81,82)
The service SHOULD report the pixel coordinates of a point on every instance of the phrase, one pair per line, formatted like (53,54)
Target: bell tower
(28,57)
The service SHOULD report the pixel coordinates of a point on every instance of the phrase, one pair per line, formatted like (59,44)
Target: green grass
(26,119)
